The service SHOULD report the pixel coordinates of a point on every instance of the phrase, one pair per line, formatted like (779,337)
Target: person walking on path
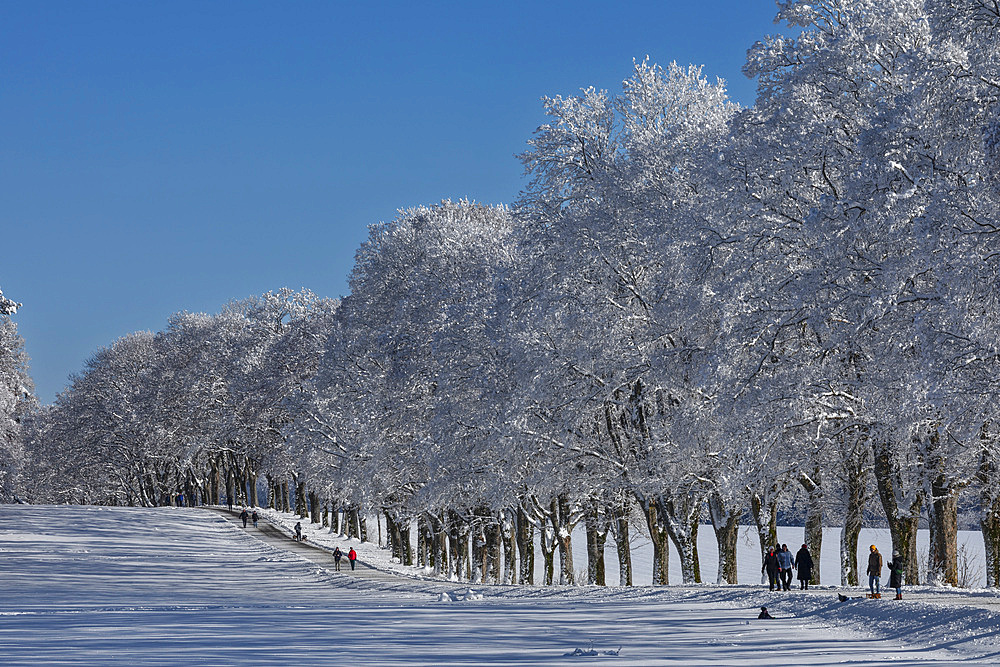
(298,531)
(896,574)
(785,564)
(771,566)
(874,571)
(352,556)
(244,515)
(804,565)
(337,555)
(254,517)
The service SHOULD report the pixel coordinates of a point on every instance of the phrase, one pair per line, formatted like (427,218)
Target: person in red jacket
(352,556)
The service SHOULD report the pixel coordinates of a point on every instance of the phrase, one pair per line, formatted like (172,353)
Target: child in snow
(763,613)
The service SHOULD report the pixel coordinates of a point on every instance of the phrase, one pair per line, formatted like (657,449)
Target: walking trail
(362,574)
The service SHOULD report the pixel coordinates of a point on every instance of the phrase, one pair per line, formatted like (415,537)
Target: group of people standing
(778,564)
(875,572)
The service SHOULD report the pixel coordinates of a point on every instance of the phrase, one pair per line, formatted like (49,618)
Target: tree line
(695,312)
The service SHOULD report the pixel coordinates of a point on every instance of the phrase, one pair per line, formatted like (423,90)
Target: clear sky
(166,156)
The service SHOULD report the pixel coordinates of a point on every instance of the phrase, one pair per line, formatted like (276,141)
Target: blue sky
(167,156)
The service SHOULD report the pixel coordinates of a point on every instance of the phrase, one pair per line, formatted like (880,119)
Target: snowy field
(100,586)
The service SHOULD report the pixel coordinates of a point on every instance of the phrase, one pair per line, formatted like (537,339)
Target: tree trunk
(622,545)
(942,563)
(548,543)
(765,518)
(596,522)
(230,487)
(442,562)
(989,512)
(479,548)
(902,511)
(493,551)
(852,530)
(855,474)
(813,484)
(507,530)
(683,517)
(659,538)
(526,547)
(422,546)
(314,506)
(300,499)
(564,522)
(406,545)
(725,523)
(459,537)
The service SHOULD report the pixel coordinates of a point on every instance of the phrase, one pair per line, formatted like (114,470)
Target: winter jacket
(337,553)
(874,564)
(804,563)
(352,555)
(785,559)
(895,572)
(771,565)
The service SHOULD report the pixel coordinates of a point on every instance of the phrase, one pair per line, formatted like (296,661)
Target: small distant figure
(298,531)
(874,571)
(352,556)
(254,518)
(771,566)
(896,574)
(229,503)
(804,566)
(785,565)
(337,555)
(244,515)
(763,613)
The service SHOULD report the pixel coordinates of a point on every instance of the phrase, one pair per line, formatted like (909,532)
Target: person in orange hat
(874,571)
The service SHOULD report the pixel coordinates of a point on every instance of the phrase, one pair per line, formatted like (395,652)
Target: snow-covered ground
(98,586)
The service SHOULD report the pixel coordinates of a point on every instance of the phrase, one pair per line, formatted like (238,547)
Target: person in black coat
(771,566)
(896,574)
(804,565)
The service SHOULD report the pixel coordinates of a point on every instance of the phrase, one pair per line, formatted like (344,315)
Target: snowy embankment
(86,585)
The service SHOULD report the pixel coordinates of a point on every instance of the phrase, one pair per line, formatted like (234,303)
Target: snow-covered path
(86,585)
